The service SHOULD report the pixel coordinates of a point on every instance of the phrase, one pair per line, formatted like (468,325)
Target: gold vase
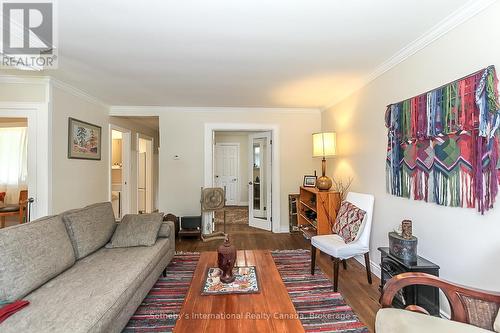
(324,183)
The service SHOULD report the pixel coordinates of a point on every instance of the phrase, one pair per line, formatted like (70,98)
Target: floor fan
(213,199)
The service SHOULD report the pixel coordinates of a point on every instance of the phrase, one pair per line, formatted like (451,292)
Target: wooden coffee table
(271,310)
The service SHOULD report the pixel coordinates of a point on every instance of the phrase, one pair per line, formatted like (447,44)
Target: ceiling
(152,123)
(247,53)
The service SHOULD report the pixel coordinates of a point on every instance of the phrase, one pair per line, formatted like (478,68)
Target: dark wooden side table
(424,296)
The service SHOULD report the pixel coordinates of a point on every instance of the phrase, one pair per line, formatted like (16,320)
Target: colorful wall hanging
(443,145)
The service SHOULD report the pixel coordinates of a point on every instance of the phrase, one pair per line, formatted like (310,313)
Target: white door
(259,190)
(227,170)
(144,174)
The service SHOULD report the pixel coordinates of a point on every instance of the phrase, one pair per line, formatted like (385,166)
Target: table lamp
(324,145)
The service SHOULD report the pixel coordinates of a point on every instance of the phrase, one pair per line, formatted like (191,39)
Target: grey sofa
(73,283)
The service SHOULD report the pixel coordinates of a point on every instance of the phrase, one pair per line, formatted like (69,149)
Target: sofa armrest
(468,305)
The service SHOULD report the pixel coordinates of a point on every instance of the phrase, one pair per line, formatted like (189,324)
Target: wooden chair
(338,250)
(13,210)
(2,197)
(468,306)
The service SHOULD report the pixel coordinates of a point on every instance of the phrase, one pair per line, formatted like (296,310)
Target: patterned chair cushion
(348,221)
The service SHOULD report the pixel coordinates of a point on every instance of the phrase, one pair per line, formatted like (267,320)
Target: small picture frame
(84,140)
(309,181)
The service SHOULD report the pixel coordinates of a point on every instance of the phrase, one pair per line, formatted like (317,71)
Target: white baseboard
(375,268)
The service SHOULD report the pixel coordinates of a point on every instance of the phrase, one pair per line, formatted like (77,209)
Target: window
(13,161)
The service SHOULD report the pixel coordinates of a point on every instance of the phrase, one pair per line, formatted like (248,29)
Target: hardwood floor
(353,285)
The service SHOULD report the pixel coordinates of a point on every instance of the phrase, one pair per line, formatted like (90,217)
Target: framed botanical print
(84,140)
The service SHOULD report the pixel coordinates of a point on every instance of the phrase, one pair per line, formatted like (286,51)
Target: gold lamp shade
(324,145)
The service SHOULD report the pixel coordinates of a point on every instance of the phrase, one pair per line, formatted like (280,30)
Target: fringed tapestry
(443,146)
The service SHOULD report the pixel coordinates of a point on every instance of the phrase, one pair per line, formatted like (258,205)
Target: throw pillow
(166,228)
(348,221)
(136,230)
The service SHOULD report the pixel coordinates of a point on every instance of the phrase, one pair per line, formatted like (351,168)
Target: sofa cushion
(89,295)
(89,228)
(496,325)
(167,228)
(137,230)
(31,254)
(402,321)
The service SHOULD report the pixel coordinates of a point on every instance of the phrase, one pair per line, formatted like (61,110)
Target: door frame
(210,128)
(238,151)
(259,223)
(126,152)
(39,153)
(149,175)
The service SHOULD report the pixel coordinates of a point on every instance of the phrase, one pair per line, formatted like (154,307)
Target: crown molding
(157,110)
(76,92)
(456,18)
(49,82)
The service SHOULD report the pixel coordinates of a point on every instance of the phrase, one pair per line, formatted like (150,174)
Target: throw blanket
(8,310)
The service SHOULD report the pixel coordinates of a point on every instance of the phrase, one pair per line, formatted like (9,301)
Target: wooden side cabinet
(317,211)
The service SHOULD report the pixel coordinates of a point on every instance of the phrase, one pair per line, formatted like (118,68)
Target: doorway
(224,168)
(119,170)
(14,175)
(144,174)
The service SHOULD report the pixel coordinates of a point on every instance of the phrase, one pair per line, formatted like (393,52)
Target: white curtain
(13,162)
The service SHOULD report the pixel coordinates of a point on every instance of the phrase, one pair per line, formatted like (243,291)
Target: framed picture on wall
(84,140)
(309,181)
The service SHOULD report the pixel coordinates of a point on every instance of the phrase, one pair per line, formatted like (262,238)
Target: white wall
(182,133)
(76,183)
(465,244)
(242,139)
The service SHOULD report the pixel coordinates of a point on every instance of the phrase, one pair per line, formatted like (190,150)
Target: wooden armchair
(15,210)
(469,306)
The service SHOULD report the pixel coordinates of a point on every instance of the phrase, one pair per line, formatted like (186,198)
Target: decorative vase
(324,183)
(406,229)
(226,258)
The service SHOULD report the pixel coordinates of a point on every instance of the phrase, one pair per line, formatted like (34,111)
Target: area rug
(319,308)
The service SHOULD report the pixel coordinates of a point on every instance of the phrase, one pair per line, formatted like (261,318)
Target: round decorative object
(324,183)
(212,198)
(226,258)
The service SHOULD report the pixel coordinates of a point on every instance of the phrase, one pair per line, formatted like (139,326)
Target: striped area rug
(319,308)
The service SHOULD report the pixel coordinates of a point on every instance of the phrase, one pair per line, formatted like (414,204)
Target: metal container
(401,248)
